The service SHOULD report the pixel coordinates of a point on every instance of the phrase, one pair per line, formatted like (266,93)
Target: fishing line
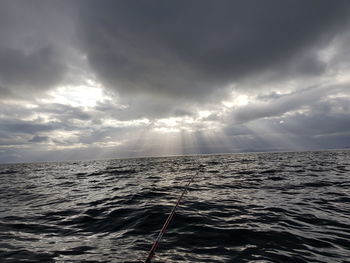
(168,221)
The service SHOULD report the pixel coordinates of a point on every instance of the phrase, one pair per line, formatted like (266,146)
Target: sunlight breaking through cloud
(77,96)
(88,80)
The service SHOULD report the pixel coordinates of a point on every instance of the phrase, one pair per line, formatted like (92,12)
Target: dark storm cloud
(172,49)
(34,35)
(163,58)
(38,70)
(190,48)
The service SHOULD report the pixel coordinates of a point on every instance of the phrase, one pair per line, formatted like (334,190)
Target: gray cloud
(65,113)
(35,39)
(39,139)
(26,127)
(158,59)
(279,105)
(191,48)
(146,107)
(316,119)
(182,49)
(38,70)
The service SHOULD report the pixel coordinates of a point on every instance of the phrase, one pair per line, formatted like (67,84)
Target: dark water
(266,207)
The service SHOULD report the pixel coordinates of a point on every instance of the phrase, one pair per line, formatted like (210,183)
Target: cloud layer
(193,48)
(91,79)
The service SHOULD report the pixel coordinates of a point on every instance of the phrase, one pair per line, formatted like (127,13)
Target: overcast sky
(114,79)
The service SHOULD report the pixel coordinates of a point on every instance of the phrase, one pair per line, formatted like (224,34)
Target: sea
(249,207)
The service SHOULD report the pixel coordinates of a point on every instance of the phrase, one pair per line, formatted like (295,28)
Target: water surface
(254,207)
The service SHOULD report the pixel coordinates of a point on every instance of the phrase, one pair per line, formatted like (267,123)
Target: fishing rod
(167,222)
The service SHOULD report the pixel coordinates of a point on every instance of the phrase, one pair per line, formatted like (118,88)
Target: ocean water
(254,207)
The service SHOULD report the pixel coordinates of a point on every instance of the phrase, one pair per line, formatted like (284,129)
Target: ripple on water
(268,207)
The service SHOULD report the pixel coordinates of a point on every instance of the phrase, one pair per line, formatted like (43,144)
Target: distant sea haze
(252,207)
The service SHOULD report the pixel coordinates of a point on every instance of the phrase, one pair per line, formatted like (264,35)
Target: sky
(119,79)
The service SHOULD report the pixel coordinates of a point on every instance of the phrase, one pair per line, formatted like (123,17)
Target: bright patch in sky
(133,123)
(204,114)
(176,124)
(77,96)
(236,100)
